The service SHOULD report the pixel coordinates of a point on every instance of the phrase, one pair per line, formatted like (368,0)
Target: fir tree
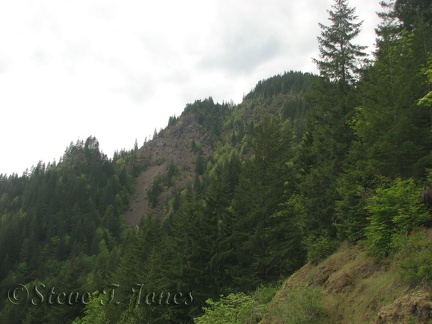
(340,59)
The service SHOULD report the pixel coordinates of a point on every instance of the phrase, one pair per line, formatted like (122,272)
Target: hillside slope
(350,287)
(173,146)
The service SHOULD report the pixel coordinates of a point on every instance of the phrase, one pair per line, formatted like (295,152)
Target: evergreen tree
(411,12)
(136,145)
(340,58)
(328,138)
(392,135)
(258,197)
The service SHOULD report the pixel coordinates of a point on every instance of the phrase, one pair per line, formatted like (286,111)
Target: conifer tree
(321,156)
(340,59)
(392,136)
(258,197)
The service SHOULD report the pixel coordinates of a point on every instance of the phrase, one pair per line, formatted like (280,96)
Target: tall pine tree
(392,134)
(340,59)
(321,156)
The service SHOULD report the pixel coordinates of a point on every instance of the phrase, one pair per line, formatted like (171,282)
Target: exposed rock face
(173,144)
(415,306)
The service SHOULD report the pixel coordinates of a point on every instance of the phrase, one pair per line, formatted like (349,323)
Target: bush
(319,247)
(393,211)
(232,309)
(239,308)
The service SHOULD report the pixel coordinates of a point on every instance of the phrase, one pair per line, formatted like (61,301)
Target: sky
(117,70)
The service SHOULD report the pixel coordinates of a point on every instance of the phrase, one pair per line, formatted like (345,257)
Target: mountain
(324,180)
(179,154)
(170,164)
(64,222)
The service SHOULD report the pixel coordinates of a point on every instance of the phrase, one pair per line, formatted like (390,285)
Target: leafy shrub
(319,247)
(232,309)
(94,310)
(395,210)
(239,307)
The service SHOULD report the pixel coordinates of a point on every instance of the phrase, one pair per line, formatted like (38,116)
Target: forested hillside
(205,221)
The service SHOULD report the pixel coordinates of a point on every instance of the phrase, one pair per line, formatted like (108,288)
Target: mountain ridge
(282,95)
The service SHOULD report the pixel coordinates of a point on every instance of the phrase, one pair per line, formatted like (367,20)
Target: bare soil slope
(173,144)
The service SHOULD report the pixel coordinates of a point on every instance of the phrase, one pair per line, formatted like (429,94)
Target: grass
(348,287)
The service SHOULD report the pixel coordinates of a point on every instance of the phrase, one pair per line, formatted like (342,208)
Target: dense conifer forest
(304,163)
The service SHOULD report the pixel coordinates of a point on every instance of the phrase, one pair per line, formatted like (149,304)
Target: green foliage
(394,210)
(94,311)
(200,164)
(355,186)
(392,134)
(171,172)
(301,305)
(413,252)
(296,110)
(172,121)
(413,12)
(63,224)
(318,248)
(388,123)
(302,163)
(154,191)
(340,58)
(427,99)
(289,82)
(160,182)
(318,162)
(264,240)
(208,114)
(232,309)
(196,146)
(160,159)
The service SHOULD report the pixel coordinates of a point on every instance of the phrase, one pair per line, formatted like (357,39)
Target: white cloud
(118,69)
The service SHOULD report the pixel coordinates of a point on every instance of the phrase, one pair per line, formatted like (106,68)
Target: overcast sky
(118,69)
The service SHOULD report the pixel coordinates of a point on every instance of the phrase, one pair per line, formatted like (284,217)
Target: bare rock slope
(172,145)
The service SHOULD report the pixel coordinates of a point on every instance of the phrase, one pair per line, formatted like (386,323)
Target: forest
(304,163)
